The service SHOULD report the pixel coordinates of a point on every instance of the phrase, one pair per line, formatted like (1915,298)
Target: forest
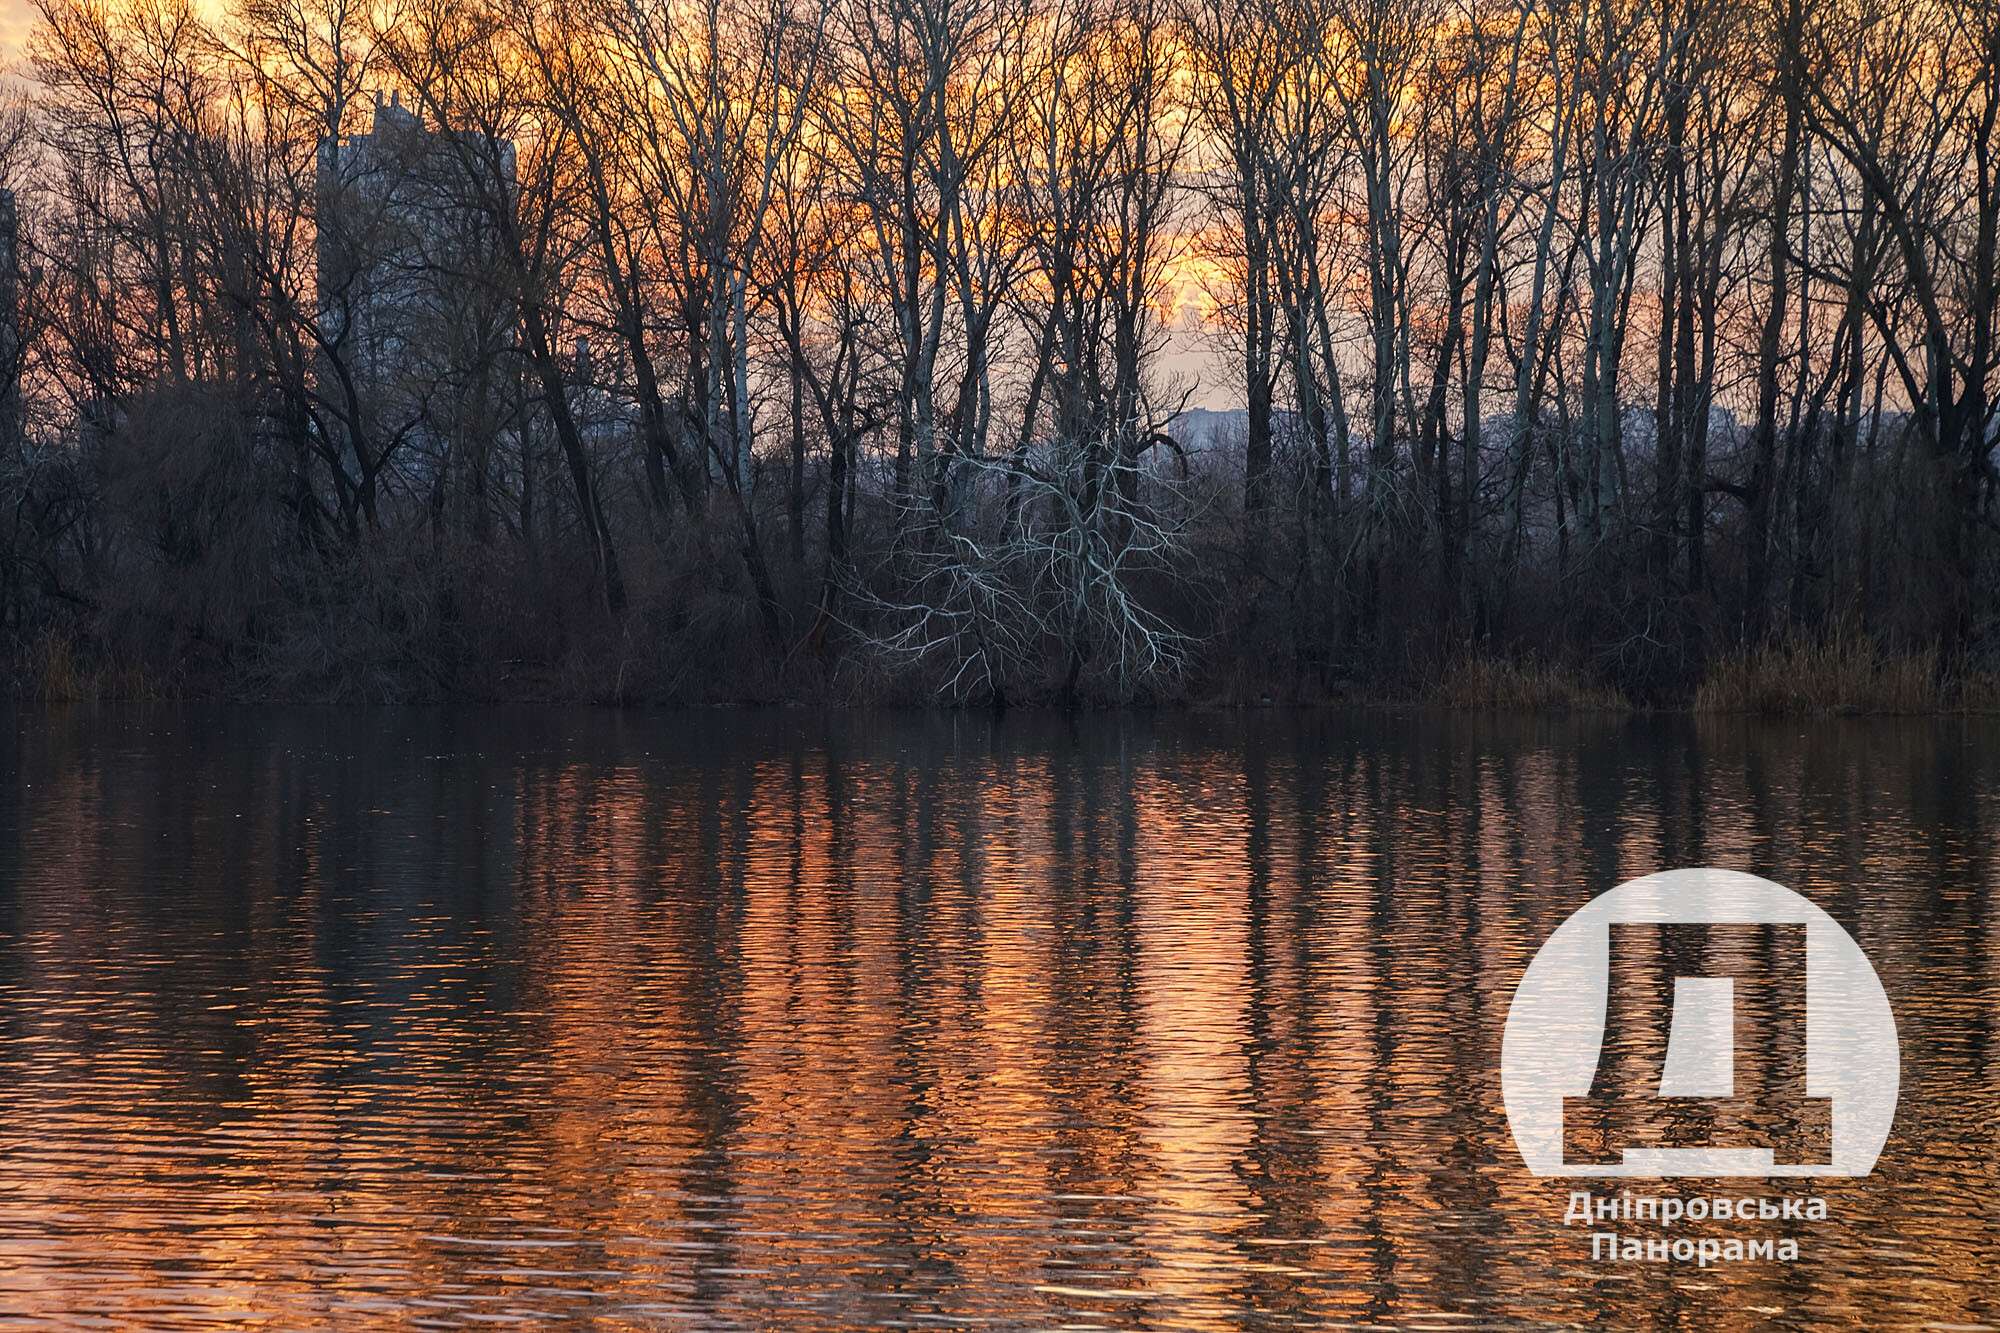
(992,352)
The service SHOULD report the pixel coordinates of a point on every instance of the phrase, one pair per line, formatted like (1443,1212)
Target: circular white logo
(1700,1023)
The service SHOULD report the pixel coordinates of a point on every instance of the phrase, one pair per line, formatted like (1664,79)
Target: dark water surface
(441,1018)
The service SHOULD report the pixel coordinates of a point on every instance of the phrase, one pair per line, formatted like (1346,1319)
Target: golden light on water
(1167,1026)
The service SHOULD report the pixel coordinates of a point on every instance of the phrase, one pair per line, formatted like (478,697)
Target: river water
(441,1018)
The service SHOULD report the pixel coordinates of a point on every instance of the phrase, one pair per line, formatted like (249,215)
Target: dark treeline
(837,348)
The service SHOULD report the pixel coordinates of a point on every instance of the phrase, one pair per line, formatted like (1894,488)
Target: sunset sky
(15,17)
(1191,356)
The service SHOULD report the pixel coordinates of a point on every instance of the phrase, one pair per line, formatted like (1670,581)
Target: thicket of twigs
(835,350)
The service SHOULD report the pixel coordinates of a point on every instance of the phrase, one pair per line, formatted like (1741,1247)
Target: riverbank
(1843,675)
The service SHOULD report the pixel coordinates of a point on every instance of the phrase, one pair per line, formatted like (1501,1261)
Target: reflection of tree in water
(1130,1020)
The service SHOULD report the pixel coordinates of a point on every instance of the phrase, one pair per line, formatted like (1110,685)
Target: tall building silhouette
(413,304)
(12,347)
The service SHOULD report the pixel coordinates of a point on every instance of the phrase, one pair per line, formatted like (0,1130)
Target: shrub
(1525,684)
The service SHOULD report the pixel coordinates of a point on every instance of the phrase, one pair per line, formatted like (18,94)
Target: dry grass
(54,672)
(1842,674)
(1529,685)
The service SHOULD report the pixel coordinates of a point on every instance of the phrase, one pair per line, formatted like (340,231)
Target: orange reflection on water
(425,1018)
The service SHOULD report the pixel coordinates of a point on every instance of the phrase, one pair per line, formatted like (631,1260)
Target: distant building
(411,299)
(12,348)
(606,418)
